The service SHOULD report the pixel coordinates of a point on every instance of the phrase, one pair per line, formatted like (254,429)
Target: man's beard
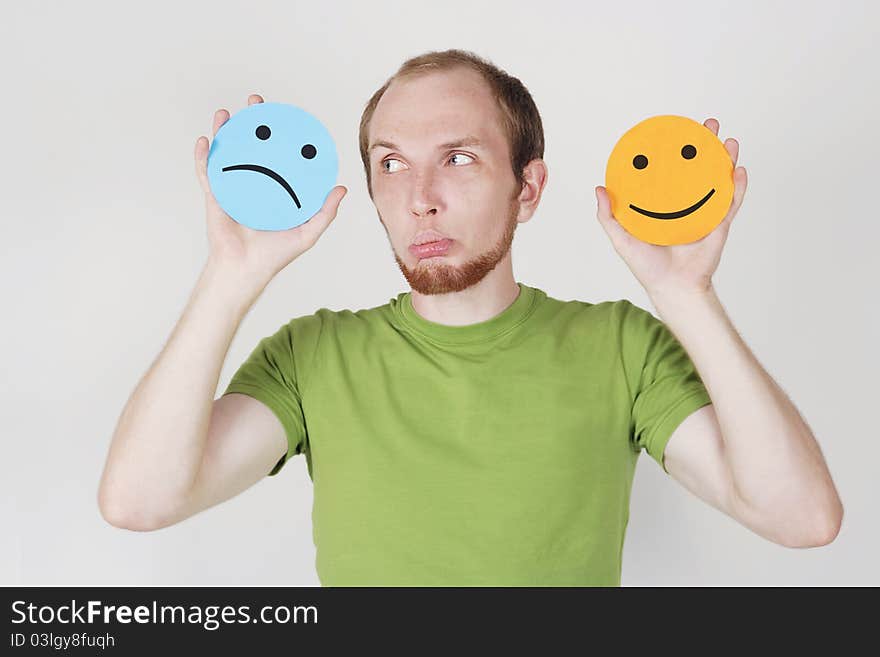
(434,277)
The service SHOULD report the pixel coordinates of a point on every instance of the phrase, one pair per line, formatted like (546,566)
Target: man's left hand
(677,268)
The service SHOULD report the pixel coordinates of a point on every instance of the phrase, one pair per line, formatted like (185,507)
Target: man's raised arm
(176,450)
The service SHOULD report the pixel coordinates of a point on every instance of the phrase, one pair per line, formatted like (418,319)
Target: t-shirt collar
(508,319)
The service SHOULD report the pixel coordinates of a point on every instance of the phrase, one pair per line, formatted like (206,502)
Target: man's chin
(432,277)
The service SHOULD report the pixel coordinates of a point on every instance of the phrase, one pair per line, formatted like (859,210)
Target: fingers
(202,147)
(730,144)
(740,182)
(221,116)
(201,159)
(732,147)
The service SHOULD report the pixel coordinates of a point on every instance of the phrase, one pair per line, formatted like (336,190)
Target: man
(472,431)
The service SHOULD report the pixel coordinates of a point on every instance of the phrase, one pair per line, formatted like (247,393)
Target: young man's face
(422,181)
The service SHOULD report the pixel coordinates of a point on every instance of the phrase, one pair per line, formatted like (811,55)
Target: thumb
(313,228)
(603,211)
(619,236)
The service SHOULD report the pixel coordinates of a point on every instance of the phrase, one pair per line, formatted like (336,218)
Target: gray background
(104,236)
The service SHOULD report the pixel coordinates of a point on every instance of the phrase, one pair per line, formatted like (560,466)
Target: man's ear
(535,175)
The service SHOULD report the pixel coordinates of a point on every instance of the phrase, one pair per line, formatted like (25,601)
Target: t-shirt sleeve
(664,384)
(269,374)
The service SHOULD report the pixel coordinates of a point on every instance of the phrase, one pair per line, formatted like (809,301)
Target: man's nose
(424,195)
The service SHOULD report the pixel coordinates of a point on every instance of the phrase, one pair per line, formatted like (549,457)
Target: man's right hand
(258,254)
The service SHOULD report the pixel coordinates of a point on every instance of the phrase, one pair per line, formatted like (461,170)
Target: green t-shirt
(500,453)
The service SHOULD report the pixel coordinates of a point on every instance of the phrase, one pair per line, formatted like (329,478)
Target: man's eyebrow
(455,143)
(462,141)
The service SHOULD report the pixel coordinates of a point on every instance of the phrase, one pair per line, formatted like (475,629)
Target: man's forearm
(159,439)
(775,461)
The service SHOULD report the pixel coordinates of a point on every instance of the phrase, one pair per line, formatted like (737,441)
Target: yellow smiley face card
(669,180)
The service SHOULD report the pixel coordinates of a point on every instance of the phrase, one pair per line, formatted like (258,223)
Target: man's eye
(389,161)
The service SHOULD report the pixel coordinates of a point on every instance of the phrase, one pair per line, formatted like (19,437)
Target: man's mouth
(674,215)
(431,249)
(264,170)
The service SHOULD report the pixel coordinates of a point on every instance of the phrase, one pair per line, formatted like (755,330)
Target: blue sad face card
(271,166)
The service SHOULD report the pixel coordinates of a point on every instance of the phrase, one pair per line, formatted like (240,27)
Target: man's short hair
(520,117)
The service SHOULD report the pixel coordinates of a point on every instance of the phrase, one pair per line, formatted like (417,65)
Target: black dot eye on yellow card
(669,180)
